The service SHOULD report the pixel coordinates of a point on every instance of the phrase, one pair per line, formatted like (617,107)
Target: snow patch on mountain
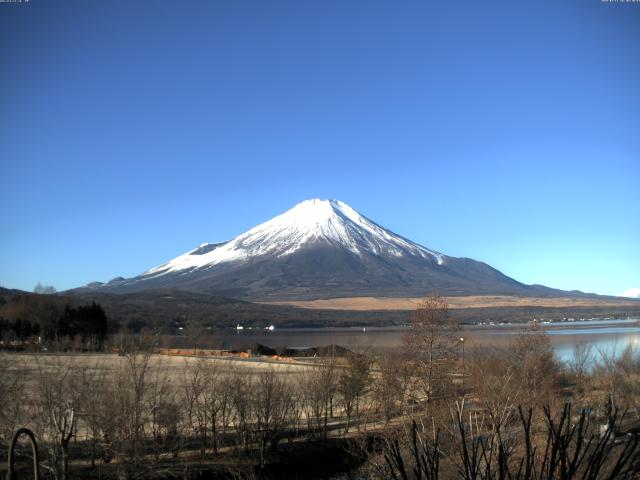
(311,221)
(632,293)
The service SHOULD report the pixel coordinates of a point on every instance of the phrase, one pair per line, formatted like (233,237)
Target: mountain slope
(309,222)
(322,249)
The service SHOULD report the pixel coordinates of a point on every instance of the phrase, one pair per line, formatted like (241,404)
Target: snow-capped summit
(632,293)
(330,221)
(320,249)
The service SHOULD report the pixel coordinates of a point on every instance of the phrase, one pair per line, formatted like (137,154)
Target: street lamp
(463,369)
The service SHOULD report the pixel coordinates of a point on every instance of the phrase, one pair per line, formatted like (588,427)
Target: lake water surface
(607,336)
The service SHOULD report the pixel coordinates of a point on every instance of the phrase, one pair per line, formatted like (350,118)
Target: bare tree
(616,380)
(164,414)
(218,393)
(210,398)
(273,404)
(495,385)
(196,401)
(353,383)
(318,384)
(432,343)
(129,411)
(579,367)
(242,405)
(44,289)
(61,388)
(568,449)
(93,412)
(535,367)
(196,333)
(390,383)
(12,395)
(628,376)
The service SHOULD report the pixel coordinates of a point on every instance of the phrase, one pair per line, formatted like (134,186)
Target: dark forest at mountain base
(175,307)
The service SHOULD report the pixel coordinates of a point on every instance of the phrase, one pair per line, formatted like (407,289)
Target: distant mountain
(323,249)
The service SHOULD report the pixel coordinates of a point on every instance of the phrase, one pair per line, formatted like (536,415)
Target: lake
(608,336)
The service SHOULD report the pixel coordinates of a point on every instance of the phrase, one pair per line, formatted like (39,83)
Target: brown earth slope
(475,301)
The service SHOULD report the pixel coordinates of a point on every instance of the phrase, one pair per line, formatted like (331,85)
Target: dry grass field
(174,366)
(410,303)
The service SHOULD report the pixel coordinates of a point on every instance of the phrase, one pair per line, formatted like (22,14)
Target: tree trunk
(262,445)
(203,442)
(214,434)
(64,446)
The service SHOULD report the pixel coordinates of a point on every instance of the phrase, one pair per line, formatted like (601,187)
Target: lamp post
(463,366)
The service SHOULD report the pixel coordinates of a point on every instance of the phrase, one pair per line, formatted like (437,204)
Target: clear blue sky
(132,131)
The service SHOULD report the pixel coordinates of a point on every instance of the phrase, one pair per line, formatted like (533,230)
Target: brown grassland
(475,301)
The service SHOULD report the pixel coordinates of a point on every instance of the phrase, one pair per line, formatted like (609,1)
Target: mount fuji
(322,249)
